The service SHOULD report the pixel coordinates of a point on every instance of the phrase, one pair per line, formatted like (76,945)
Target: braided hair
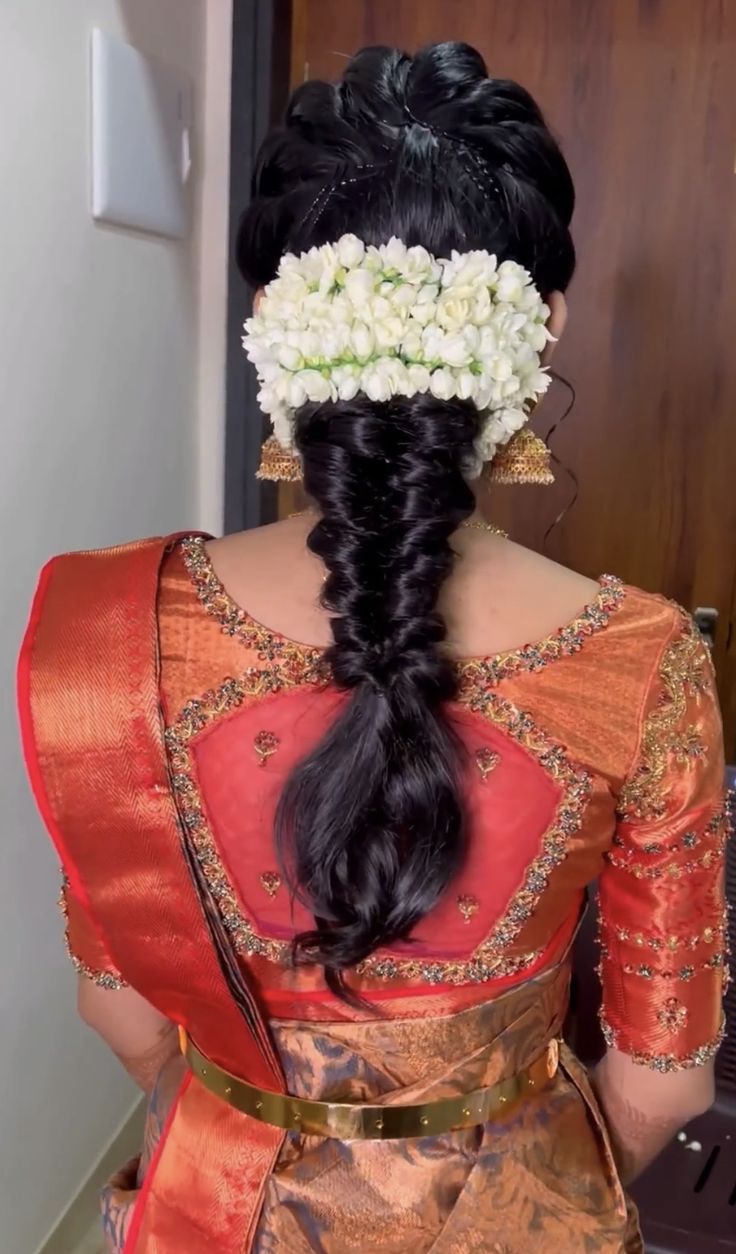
(371,825)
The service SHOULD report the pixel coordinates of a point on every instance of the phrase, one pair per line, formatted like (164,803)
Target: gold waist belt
(350,1121)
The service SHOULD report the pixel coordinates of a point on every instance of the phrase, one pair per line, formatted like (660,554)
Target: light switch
(142,117)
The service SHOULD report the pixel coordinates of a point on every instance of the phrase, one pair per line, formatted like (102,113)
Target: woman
(350,870)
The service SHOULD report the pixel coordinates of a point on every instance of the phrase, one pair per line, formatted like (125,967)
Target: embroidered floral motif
(105,979)
(491,960)
(468,906)
(708,936)
(265,744)
(719,825)
(673,1016)
(670,1062)
(683,670)
(288,664)
(684,973)
(271,881)
(486,761)
(673,870)
(576,785)
(665,1063)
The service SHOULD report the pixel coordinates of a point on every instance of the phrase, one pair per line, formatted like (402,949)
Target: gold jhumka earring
(278,466)
(525,459)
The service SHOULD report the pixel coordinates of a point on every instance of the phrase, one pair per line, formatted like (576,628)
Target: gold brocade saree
(539,1180)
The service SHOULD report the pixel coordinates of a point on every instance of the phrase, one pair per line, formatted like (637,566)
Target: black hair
(428,148)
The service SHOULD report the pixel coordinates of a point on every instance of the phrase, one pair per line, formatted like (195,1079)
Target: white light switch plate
(142,115)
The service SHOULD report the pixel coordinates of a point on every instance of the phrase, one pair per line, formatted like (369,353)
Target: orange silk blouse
(593,755)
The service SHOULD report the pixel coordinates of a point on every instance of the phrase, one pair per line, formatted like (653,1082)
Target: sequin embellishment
(665,1063)
(468,906)
(486,761)
(284,663)
(685,668)
(265,744)
(298,662)
(673,1015)
(492,959)
(104,979)
(271,881)
(276,648)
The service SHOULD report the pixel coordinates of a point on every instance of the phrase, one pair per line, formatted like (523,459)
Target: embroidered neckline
(272,646)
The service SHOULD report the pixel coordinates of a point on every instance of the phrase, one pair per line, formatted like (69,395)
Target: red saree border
(92,727)
(28,738)
(137,1222)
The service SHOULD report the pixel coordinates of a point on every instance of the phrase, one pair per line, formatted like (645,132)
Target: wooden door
(642,94)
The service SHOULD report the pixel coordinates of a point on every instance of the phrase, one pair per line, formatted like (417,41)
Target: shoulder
(95,586)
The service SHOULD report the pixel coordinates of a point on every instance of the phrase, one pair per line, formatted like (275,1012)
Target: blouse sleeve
(662,895)
(83,944)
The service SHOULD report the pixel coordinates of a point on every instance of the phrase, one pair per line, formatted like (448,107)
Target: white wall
(110,368)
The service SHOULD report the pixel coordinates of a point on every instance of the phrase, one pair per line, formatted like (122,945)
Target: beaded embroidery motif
(265,744)
(684,669)
(486,761)
(271,882)
(104,979)
(272,647)
(291,664)
(468,906)
(491,959)
(665,1063)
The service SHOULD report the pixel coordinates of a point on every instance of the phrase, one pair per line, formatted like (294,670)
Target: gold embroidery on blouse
(271,881)
(672,870)
(563,643)
(291,664)
(486,761)
(642,940)
(265,744)
(297,659)
(719,825)
(468,906)
(664,1062)
(104,979)
(273,647)
(673,1016)
(683,670)
(491,959)
(645,971)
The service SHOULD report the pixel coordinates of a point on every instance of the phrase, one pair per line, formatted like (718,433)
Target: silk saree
(160,721)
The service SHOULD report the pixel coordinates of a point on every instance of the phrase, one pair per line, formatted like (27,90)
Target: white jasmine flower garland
(348,318)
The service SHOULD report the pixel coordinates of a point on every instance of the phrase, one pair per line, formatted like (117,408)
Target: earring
(278,466)
(525,459)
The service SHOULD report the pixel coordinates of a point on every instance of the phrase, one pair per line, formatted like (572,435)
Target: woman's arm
(664,952)
(645,1110)
(143,1039)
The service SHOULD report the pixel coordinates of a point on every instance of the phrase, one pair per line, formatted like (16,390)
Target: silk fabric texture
(117,649)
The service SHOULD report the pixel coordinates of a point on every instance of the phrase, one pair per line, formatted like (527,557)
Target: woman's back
(329,795)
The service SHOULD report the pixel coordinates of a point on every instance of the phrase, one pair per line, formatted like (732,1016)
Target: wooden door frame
(261,61)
